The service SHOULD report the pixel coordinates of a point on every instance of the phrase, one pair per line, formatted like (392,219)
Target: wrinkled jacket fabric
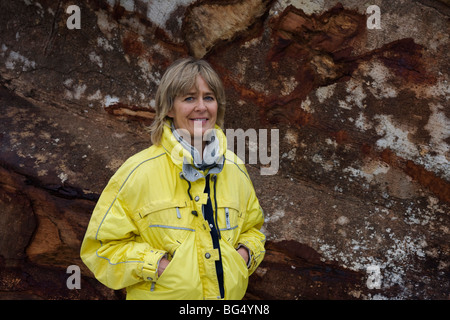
(150,209)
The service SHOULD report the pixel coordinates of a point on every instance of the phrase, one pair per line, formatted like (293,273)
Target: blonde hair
(178,79)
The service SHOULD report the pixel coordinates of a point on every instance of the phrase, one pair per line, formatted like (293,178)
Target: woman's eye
(209,98)
(188,99)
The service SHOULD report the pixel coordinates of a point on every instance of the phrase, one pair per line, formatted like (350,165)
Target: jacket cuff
(151,263)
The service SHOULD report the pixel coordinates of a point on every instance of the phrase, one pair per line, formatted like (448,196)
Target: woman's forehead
(193,86)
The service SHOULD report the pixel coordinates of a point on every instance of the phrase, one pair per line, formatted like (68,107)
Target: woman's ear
(170,114)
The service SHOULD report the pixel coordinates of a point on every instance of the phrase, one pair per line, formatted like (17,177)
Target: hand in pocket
(162,265)
(244,254)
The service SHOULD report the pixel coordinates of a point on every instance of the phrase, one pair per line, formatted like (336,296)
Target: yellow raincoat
(151,209)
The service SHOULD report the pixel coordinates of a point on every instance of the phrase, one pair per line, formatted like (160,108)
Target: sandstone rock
(17,220)
(362,117)
(207,24)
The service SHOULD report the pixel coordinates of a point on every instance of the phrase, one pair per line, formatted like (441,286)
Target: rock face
(357,106)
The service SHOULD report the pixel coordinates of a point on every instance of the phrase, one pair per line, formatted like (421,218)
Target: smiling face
(195,110)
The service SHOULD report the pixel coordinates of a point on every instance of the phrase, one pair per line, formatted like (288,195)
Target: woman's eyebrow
(191,93)
(188,93)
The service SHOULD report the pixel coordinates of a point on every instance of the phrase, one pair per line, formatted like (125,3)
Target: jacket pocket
(179,281)
(230,223)
(165,225)
(181,278)
(235,273)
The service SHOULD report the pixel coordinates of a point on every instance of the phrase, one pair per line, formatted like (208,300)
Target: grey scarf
(212,159)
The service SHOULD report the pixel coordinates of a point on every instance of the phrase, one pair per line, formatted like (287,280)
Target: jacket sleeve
(112,248)
(251,237)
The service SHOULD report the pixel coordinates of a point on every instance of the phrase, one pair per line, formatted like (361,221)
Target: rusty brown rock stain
(324,44)
(312,50)
(132,45)
(139,45)
(405,59)
(131,112)
(428,179)
(340,136)
(318,51)
(438,186)
(333,31)
(118,11)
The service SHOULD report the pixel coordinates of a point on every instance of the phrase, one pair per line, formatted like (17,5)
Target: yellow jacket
(150,209)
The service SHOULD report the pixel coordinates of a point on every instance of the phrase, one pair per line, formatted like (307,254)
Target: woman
(179,220)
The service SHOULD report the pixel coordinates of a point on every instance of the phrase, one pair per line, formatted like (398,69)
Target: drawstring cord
(189,191)
(189,183)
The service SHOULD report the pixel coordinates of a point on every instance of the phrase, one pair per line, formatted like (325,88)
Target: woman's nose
(201,106)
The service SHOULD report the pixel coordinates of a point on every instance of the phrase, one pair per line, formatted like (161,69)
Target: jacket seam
(229,228)
(169,227)
(109,261)
(109,208)
(237,167)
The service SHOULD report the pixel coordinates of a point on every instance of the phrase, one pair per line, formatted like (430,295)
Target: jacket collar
(187,158)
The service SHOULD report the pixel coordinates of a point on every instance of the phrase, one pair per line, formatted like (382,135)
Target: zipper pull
(227,218)
(178,213)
